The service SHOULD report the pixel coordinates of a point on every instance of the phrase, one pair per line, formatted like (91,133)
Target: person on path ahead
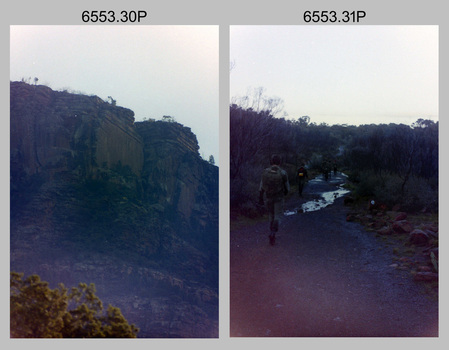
(275,185)
(325,166)
(301,176)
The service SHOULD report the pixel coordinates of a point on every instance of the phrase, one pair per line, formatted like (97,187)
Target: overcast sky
(152,70)
(341,74)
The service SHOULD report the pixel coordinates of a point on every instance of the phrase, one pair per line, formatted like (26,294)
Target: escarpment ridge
(130,206)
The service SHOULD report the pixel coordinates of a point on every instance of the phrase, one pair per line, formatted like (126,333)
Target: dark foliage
(387,161)
(397,163)
(40,312)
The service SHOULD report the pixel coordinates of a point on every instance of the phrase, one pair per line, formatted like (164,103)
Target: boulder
(376,206)
(430,227)
(434,251)
(384,231)
(351,217)
(402,226)
(418,237)
(424,269)
(400,216)
(379,223)
(431,234)
(434,258)
(426,276)
(366,219)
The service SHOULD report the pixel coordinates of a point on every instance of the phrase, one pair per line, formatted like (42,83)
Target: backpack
(273,183)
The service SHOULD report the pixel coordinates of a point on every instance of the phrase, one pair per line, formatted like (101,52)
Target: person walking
(301,176)
(274,184)
(326,169)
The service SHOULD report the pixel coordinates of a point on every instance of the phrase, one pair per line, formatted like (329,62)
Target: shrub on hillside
(36,311)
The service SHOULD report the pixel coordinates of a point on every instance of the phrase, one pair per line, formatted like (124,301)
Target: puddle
(327,198)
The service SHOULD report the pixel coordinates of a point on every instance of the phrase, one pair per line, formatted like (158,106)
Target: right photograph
(334,220)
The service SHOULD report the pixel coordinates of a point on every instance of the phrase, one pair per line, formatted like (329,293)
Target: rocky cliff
(57,131)
(131,207)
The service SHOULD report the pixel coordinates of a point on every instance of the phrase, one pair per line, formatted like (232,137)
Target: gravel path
(325,277)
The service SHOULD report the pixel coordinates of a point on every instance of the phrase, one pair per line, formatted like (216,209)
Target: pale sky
(340,74)
(152,70)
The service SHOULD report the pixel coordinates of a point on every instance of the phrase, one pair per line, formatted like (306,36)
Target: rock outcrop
(58,131)
(174,177)
(129,206)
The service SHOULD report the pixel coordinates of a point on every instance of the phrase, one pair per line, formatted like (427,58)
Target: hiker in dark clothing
(275,185)
(335,167)
(301,176)
(326,169)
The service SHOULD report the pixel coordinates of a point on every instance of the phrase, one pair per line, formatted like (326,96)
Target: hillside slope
(131,207)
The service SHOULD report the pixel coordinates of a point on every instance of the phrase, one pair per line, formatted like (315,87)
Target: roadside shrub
(245,187)
(419,194)
(367,184)
(416,195)
(388,190)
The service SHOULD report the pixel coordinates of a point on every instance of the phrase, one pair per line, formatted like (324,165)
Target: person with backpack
(301,176)
(275,185)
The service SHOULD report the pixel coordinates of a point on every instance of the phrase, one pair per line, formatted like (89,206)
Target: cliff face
(57,131)
(175,177)
(131,207)
(61,133)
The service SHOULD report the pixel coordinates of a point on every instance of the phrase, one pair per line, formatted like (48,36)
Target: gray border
(224,328)
(226,13)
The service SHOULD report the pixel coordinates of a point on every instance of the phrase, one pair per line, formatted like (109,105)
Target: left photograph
(114,181)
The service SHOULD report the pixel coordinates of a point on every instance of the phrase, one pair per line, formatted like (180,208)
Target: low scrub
(414,195)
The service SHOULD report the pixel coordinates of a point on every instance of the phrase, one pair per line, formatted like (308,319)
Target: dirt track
(325,277)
